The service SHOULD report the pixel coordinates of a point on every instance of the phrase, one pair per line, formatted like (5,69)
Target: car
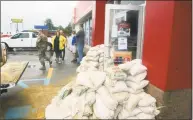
(3,52)
(21,40)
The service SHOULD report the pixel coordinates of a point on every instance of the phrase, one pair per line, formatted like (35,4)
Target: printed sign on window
(122,43)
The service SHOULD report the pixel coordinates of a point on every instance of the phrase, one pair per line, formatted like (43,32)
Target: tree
(68,29)
(48,22)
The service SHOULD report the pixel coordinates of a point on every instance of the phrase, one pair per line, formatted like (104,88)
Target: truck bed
(11,72)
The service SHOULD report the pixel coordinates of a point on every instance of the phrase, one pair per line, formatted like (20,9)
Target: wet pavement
(58,75)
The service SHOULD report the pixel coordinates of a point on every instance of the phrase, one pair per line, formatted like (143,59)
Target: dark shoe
(43,68)
(50,63)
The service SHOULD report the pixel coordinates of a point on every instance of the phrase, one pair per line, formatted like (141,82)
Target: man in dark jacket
(80,43)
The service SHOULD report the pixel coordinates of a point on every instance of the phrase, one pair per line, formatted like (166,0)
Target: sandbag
(89,58)
(106,98)
(137,69)
(132,102)
(92,64)
(90,98)
(97,78)
(87,111)
(136,86)
(138,78)
(117,111)
(115,73)
(110,82)
(132,118)
(79,90)
(147,100)
(53,112)
(145,116)
(127,66)
(101,59)
(130,90)
(100,110)
(148,110)
(92,53)
(120,86)
(121,96)
(83,78)
(124,114)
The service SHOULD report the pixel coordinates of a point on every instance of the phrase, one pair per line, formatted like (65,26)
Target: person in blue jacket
(74,46)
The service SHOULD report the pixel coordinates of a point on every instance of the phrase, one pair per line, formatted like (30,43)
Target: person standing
(58,42)
(74,46)
(80,43)
(41,45)
(65,44)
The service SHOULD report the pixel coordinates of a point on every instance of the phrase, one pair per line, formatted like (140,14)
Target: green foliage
(67,30)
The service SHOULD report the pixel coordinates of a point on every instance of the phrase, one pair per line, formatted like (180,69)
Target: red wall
(98,23)
(167,44)
(157,40)
(179,73)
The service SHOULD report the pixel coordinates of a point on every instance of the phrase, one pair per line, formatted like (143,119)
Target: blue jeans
(80,48)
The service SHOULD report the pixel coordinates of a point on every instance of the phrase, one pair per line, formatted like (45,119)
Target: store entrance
(123,32)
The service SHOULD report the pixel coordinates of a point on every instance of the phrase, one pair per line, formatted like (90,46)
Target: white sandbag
(101,59)
(142,94)
(107,99)
(90,98)
(116,73)
(101,111)
(147,100)
(130,90)
(138,78)
(148,110)
(93,64)
(92,69)
(87,111)
(77,105)
(132,102)
(92,53)
(127,66)
(136,86)
(79,90)
(109,82)
(89,58)
(95,48)
(137,69)
(120,86)
(117,111)
(102,46)
(121,96)
(132,118)
(97,78)
(53,112)
(83,78)
(145,116)
(124,114)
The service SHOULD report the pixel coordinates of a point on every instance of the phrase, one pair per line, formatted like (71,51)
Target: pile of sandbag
(116,93)
(93,60)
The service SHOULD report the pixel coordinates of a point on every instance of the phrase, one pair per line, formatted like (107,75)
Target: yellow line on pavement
(49,73)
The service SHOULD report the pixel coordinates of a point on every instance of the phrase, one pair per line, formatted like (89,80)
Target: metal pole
(17,30)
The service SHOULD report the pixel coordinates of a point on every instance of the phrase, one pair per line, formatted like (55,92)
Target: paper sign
(122,43)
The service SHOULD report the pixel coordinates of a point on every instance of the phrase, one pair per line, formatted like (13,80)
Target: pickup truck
(21,40)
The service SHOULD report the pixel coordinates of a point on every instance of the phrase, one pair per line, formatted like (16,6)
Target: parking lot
(35,85)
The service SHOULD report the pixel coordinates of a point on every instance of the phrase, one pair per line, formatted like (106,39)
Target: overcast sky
(35,13)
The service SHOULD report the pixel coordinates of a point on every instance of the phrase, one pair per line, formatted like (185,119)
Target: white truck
(21,40)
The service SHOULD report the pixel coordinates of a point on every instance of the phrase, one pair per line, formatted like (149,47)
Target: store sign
(122,43)
(17,20)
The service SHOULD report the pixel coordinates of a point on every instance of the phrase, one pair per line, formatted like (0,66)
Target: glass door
(123,32)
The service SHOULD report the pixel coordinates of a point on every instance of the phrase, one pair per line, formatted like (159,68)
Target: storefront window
(123,30)
(90,34)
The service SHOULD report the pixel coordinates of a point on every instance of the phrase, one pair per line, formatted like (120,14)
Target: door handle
(21,39)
